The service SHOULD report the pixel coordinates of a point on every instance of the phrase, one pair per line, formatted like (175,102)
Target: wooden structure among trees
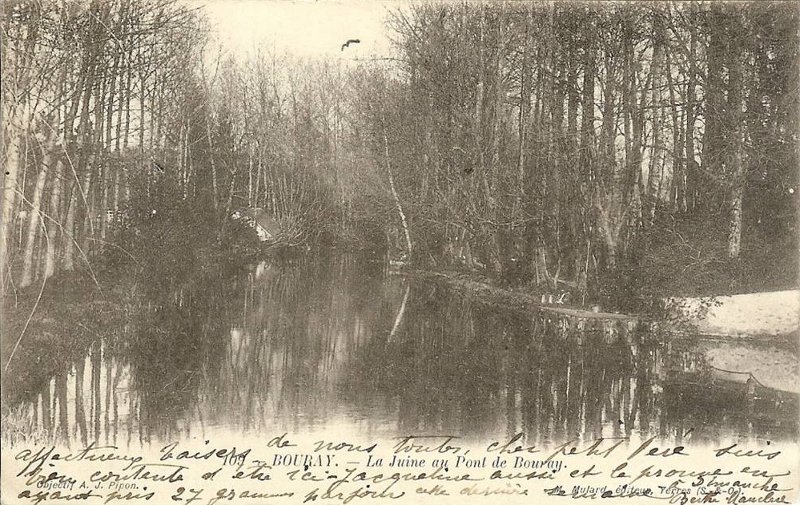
(266,227)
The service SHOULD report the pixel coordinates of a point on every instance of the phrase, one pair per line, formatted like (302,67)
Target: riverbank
(514,298)
(768,314)
(736,338)
(771,313)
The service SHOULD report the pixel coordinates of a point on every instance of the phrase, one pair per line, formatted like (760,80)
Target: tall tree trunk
(212,161)
(587,106)
(94,168)
(656,149)
(608,130)
(127,123)
(496,229)
(524,107)
(69,229)
(9,193)
(393,189)
(250,176)
(691,83)
(36,216)
(737,126)
(53,226)
(714,140)
(678,193)
(110,95)
(556,142)
(735,230)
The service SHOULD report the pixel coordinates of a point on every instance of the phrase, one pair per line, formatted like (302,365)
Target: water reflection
(308,346)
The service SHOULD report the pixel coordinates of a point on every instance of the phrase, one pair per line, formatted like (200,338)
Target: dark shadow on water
(310,344)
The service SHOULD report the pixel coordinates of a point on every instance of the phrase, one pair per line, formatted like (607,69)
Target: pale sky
(306,28)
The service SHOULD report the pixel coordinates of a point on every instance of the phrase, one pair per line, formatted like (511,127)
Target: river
(319,344)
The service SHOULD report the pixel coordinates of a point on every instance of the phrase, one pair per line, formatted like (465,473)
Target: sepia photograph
(400,251)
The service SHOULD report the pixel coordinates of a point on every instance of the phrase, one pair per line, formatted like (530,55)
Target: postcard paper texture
(335,251)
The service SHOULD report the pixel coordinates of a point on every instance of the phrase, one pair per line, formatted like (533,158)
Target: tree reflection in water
(311,345)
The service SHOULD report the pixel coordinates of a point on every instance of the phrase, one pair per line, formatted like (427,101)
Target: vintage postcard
(348,251)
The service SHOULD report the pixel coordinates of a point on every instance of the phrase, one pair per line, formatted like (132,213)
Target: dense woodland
(607,149)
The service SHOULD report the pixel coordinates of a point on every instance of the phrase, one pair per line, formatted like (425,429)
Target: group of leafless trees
(566,136)
(89,92)
(548,139)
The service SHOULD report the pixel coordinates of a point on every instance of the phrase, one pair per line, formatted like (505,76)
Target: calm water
(339,343)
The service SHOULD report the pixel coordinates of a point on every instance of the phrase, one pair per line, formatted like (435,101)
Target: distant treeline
(571,145)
